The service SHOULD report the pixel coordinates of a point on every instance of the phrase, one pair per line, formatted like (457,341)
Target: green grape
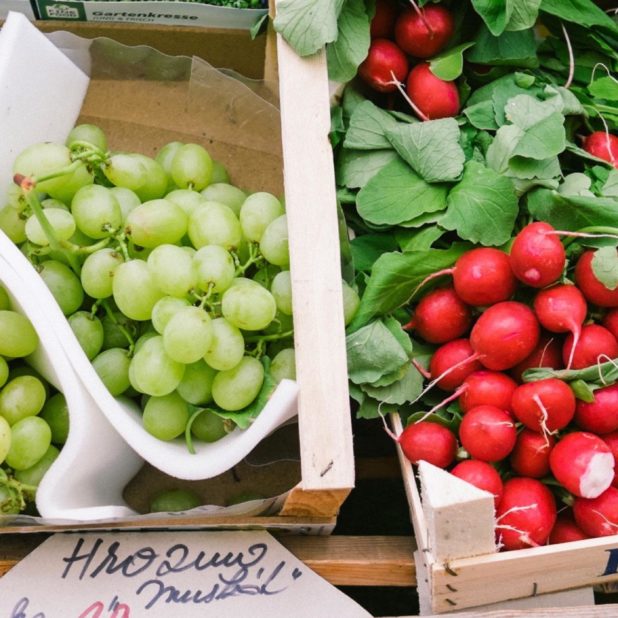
(18,369)
(4,371)
(89,332)
(274,242)
(127,200)
(248,305)
(51,202)
(351,301)
(18,335)
(96,211)
(5,438)
(13,223)
(98,272)
(224,193)
(214,224)
(156,222)
(89,133)
(257,212)
(30,439)
(152,371)
(157,180)
(56,413)
(196,384)
(227,347)
(187,335)
(112,366)
(266,274)
(236,388)
(166,417)
(134,289)
(282,323)
(208,426)
(64,285)
(166,155)
(281,289)
(172,269)
(42,159)
(61,222)
(34,475)
(125,170)
(187,199)
(5,299)
(174,500)
(213,268)
(145,336)
(164,309)
(283,365)
(66,191)
(21,397)
(191,167)
(114,326)
(219,173)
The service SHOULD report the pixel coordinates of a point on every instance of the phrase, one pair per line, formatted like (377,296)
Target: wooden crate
(308,184)
(457,571)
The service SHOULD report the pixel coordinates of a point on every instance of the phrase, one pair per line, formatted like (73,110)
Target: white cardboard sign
(168,574)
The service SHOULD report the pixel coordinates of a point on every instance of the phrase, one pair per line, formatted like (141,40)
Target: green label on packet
(48,9)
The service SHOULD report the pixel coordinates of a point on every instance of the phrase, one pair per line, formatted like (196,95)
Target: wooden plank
(313,503)
(609,610)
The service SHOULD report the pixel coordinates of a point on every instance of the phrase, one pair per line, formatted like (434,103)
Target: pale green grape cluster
(175,281)
(34,418)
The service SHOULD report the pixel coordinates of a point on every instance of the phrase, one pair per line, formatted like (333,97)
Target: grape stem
(273,337)
(121,328)
(254,257)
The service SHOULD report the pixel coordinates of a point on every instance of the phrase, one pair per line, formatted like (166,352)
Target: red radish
(611,439)
(594,291)
(504,335)
(481,277)
(562,309)
(601,415)
(526,514)
(530,457)
(434,97)
(566,530)
(602,145)
(429,442)
(481,475)
(610,321)
(452,363)
(537,255)
(548,353)
(545,405)
(424,32)
(487,388)
(384,60)
(441,316)
(487,433)
(583,464)
(383,21)
(596,344)
(598,516)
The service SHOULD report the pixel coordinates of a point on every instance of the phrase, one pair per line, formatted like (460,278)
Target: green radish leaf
(345,54)
(576,184)
(404,390)
(482,115)
(584,13)
(582,390)
(495,14)
(482,207)
(449,64)
(547,138)
(502,148)
(526,111)
(529,169)
(610,188)
(570,104)
(524,14)
(307,25)
(368,127)
(605,266)
(604,88)
(431,148)
(354,168)
(419,240)
(509,49)
(367,248)
(397,194)
(372,408)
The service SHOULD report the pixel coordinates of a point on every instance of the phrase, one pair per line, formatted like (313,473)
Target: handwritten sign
(161,574)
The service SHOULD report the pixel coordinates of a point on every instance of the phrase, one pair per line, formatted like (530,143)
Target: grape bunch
(34,420)
(175,281)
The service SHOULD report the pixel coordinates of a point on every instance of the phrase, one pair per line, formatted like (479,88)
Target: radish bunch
(403,39)
(536,441)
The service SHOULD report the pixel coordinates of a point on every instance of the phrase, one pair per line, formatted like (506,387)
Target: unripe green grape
(30,439)
(52,202)
(61,222)
(157,180)
(172,269)
(281,289)
(125,170)
(114,328)
(265,275)
(89,133)
(13,223)
(134,289)
(224,193)
(56,413)
(34,475)
(227,347)
(274,242)
(112,366)
(166,154)
(283,365)
(98,270)
(42,159)
(21,397)
(282,323)
(4,371)
(191,167)
(18,335)
(248,305)
(196,384)
(187,199)
(127,200)
(214,268)
(64,285)
(351,301)
(66,191)
(156,222)
(219,173)
(236,388)
(166,417)
(152,371)
(214,224)
(89,332)
(143,338)
(188,335)
(164,309)
(96,211)
(174,501)
(5,438)
(208,426)
(257,212)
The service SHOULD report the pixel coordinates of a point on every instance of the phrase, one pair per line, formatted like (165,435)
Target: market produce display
(476,164)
